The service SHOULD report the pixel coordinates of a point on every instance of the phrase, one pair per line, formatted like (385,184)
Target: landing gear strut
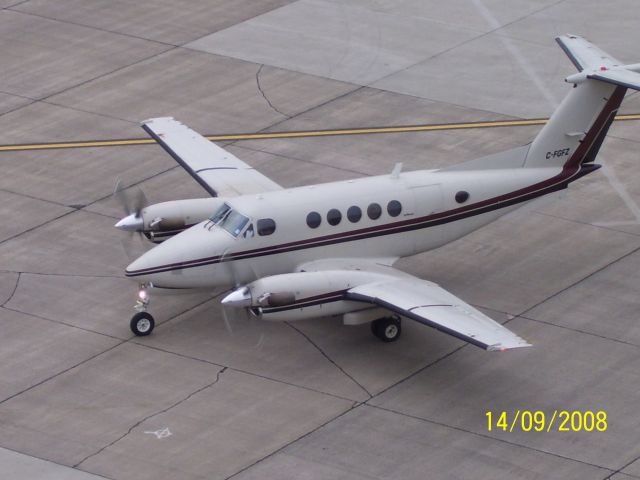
(142,323)
(387,329)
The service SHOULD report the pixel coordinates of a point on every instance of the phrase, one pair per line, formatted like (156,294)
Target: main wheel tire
(142,324)
(387,329)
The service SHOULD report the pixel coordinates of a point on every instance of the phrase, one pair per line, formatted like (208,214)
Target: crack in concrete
(148,417)
(15,289)
(246,372)
(325,355)
(265,96)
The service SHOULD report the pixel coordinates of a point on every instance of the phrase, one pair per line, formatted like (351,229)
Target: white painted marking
(160,434)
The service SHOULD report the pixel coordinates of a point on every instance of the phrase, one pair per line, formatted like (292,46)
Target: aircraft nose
(174,260)
(147,263)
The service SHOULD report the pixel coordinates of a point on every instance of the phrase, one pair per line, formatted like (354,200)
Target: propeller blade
(132,199)
(138,201)
(245,329)
(133,245)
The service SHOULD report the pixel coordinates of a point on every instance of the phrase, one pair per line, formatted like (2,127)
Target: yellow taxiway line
(298,134)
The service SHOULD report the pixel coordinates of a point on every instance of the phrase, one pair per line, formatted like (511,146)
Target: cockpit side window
(219,214)
(234,223)
(266,226)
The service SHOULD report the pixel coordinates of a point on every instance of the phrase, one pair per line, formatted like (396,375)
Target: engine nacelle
(301,295)
(166,219)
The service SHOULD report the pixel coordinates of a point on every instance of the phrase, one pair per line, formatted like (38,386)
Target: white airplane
(329,249)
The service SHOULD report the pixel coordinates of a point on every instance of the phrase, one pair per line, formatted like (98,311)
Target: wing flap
(219,172)
(430,304)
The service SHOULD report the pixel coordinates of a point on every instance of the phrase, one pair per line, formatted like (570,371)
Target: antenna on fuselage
(395,173)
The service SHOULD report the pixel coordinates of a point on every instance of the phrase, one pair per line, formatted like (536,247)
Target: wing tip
(502,347)
(156,119)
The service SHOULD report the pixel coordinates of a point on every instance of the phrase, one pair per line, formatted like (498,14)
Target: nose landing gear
(142,323)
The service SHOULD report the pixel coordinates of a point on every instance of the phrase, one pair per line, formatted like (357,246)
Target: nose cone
(238,298)
(131,223)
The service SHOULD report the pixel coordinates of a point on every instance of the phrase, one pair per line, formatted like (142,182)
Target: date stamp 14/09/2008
(540,421)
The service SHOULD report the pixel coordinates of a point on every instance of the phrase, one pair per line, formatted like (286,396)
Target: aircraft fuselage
(385,217)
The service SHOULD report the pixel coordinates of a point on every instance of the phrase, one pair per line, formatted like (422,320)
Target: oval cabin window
(314,220)
(462,196)
(374,211)
(354,214)
(394,208)
(266,226)
(334,216)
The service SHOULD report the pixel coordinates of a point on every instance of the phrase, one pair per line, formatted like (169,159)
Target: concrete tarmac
(81,398)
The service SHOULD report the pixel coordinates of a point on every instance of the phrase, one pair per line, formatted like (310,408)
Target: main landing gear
(387,329)
(142,323)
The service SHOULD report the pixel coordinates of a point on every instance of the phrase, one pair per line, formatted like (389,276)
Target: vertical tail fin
(575,132)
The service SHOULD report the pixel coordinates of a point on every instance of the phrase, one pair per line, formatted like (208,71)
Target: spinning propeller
(240,322)
(133,201)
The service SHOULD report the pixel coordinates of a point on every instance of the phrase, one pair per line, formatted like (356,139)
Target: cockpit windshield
(234,223)
(220,213)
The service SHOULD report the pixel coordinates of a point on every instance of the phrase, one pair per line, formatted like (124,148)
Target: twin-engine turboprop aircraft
(329,249)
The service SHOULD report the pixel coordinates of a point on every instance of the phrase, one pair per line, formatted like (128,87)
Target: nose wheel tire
(387,329)
(142,324)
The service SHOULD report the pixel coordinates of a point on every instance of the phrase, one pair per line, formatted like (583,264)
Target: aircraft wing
(429,304)
(219,172)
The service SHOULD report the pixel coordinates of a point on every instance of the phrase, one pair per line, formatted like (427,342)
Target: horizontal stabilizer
(584,54)
(596,64)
